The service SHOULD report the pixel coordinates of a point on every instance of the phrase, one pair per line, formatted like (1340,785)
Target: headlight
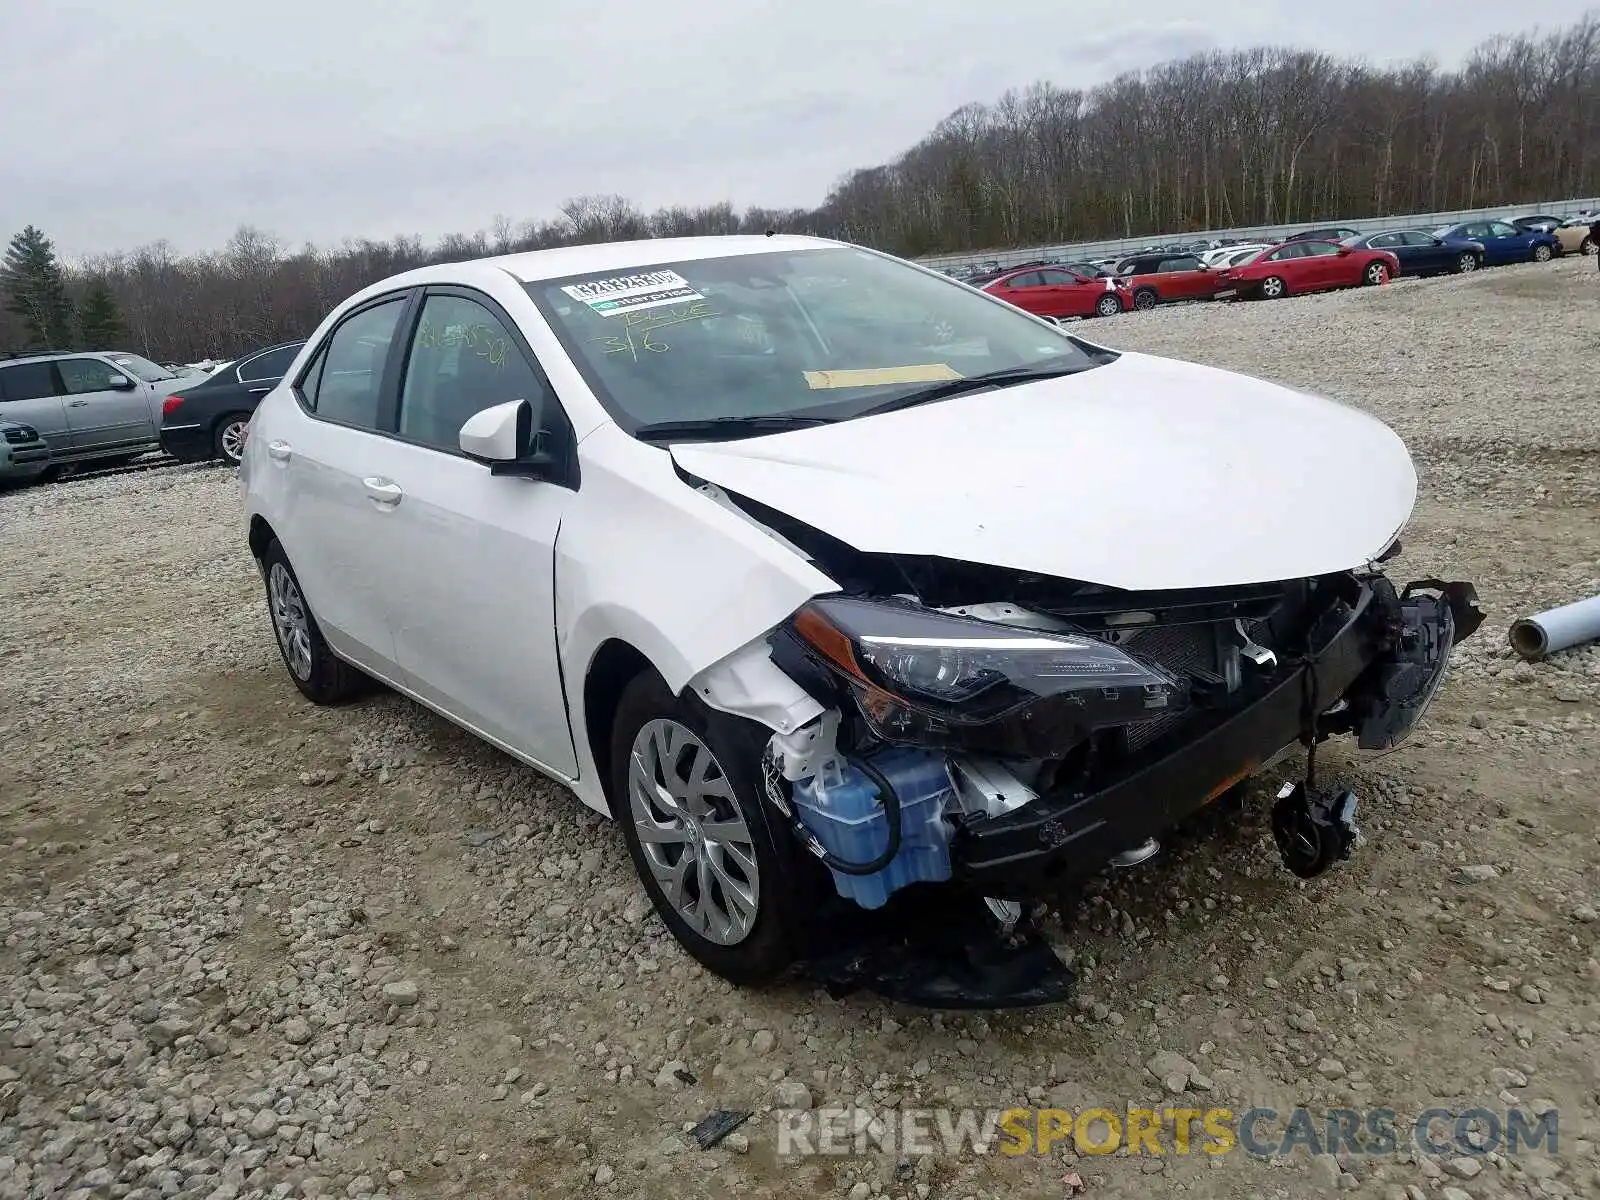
(926,678)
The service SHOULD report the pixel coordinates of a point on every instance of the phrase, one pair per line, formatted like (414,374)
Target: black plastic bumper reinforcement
(1063,835)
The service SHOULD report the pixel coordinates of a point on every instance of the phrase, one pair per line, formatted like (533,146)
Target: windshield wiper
(714,427)
(974,383)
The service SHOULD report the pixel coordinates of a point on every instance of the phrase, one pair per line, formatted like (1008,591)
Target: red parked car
(1153,279)
(1052,292)
(1309,267)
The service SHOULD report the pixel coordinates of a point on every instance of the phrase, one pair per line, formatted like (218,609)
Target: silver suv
(88,406)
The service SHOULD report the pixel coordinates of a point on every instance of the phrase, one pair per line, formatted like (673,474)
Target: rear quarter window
(270,365)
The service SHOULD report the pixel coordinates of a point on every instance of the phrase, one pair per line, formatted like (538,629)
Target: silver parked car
(90,406)
(23,454)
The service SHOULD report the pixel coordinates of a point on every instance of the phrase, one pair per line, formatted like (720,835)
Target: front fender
(645,558)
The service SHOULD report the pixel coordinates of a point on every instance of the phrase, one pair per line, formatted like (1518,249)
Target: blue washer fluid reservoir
(845,813)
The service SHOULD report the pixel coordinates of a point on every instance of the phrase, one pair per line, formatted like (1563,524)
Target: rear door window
(27,381)
(348,381)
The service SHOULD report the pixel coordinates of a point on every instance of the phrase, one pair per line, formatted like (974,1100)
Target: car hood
(1145,473)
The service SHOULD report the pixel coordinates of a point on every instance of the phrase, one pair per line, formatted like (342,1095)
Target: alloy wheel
(232,439)
(1109,306)
(290,621)
(1467,262)
(692,833)
(1272,287)
(1376,273)
(1541,254)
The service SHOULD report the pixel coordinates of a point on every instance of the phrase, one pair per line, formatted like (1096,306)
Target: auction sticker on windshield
(633,293)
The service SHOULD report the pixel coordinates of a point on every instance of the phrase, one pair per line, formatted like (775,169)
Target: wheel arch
(615,664)
(261,536)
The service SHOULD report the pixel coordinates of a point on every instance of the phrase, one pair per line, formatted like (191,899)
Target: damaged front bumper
(1383,659)
(1370,663)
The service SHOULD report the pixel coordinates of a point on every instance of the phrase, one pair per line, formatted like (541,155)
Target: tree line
(1217,140)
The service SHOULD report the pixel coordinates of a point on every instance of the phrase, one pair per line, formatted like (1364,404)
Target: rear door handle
(385,492)
(260,391)
(279,451)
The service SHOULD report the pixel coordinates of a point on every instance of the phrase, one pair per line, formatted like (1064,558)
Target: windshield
(826,333)
(142,367)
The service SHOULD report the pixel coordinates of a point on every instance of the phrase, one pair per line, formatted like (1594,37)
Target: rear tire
(1541,254)
(741,886)
(322,676)
(228,437)
(1272,288)
(1107,306)
(1145,299)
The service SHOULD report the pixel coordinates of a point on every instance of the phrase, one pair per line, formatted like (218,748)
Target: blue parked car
(1421,252)
(1504,243)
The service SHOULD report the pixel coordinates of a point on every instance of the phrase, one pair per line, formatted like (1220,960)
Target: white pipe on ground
(1573,624)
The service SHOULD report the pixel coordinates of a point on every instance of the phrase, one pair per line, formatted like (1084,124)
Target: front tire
(1541,253)
(1467,262)
(229,436)
(1375,275)
(1586,247)
(1107,306)
(685,784)
(1272,288)
(321,676)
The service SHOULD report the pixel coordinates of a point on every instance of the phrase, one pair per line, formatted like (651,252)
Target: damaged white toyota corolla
(873,607)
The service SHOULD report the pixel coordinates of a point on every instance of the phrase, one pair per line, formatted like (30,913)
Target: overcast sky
(126,121)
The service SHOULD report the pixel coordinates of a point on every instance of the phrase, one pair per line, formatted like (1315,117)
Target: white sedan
(839,583)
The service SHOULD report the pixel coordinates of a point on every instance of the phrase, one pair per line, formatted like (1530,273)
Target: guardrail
(1117,247)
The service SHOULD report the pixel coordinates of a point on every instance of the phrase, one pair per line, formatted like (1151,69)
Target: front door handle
(259,391)
(381,491)
(77,403)
(279,451)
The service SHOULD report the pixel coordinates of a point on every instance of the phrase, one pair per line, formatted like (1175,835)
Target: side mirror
(503,436)
(120,383)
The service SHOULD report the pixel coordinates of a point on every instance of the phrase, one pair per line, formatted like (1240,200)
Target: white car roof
(534,265)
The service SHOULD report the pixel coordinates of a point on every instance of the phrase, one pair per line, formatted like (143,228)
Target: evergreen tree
(36,290)
(100,324)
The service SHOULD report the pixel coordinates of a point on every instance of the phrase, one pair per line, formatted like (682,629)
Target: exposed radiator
(1186,651)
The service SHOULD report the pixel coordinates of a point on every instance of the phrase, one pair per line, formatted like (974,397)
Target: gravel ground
(254,948)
